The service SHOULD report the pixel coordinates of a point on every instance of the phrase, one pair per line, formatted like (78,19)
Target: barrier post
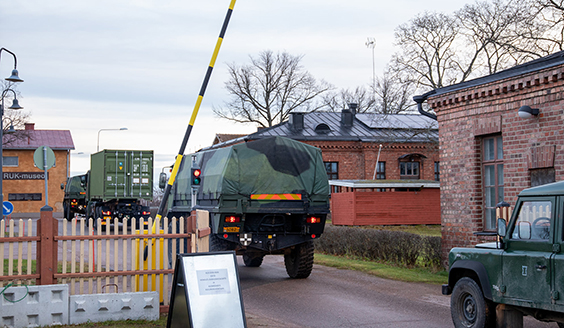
(47,247)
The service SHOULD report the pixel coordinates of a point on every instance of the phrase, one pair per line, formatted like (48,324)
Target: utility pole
(371,44)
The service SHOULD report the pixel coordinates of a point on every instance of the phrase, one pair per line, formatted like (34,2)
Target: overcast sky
(106,64)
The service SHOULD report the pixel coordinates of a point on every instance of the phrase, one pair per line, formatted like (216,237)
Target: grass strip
(383,270)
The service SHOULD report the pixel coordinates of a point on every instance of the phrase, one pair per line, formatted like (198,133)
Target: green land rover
(522,273)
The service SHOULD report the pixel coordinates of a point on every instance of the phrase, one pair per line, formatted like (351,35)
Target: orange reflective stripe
(276,196)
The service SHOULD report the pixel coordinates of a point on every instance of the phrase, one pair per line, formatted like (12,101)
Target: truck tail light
(232,219)
(313,219)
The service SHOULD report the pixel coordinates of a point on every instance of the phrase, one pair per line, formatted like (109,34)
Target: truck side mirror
(501,227)
(162,180)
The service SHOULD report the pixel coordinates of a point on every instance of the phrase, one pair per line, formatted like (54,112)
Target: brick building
(23,183)
(350,143)
(488,152)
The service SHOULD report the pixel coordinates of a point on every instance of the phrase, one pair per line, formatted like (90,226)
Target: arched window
(322,128)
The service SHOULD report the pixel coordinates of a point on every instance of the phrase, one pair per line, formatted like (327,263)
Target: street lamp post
(98,142)
(15,105)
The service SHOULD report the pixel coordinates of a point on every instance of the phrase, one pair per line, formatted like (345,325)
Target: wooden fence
(92,259)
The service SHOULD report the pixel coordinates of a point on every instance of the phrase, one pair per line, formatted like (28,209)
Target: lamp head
(14,77)
(527,112)
(15,104)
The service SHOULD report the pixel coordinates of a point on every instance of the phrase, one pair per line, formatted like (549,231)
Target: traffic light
(196,179)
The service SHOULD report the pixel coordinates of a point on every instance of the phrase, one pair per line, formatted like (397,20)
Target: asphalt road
(341,298)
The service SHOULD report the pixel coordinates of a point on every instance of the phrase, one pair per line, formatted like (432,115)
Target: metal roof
(365,127)
(360,184)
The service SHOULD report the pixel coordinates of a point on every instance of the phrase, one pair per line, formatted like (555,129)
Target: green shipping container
(121,174)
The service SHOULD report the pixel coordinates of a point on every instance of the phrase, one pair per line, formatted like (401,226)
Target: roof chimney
(29,126)
(347,115)
(297,121)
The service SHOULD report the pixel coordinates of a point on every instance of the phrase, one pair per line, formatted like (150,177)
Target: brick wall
(56,174)
(467,116)
(357,160)
(386,208)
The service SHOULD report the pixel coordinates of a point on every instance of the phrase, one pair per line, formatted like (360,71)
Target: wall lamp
(527,112)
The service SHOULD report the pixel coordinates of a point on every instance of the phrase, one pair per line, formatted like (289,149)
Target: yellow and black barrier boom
(192,120)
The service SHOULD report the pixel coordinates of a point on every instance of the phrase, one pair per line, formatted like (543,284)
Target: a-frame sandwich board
(206,292)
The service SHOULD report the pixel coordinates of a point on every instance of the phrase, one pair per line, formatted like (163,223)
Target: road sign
(7,208)
(38,158)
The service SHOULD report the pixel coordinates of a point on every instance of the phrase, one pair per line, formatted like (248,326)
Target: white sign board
(206,292)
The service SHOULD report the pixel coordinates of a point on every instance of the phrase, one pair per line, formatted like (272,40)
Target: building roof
(32,139)
(222,137)
(329,126)
(362,184)
(365,127)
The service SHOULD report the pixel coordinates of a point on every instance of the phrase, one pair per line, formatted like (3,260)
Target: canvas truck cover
(268,166)
(121,174)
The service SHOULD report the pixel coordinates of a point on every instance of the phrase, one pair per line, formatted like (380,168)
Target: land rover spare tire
(299,260)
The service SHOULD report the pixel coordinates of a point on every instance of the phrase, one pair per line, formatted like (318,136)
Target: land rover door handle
(540,267)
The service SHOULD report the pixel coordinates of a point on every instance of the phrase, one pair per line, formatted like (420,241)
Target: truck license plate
(231,229)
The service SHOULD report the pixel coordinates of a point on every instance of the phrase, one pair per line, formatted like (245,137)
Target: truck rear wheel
(253,261)
(469,308)
(299,261)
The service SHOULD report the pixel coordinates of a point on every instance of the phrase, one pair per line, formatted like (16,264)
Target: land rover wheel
(253,260)
(299,260)
(469,308)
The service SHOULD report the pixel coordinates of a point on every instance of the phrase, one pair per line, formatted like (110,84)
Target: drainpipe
(419,100)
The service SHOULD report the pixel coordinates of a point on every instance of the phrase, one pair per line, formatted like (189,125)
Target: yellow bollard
(140,248)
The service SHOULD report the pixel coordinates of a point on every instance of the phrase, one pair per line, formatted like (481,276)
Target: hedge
(397,247)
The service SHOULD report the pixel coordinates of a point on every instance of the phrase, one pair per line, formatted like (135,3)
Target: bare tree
(13,121)
(268,89)
(494,34)
(427,53)
(437,49)
(393,94)
(550,19)
(336,101)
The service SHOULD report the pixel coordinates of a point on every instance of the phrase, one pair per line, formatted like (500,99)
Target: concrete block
(34,306)
(118,306)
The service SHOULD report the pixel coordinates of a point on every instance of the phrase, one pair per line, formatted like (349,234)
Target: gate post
(47,247)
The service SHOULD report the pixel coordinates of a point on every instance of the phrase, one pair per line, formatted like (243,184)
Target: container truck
(114,187)
(269,196)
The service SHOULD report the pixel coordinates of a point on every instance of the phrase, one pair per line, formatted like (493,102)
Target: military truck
(115,185)
(522,273)
(269,196)
(74,201)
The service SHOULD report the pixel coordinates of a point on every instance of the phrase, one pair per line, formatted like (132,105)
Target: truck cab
(74,201)
(522,271)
